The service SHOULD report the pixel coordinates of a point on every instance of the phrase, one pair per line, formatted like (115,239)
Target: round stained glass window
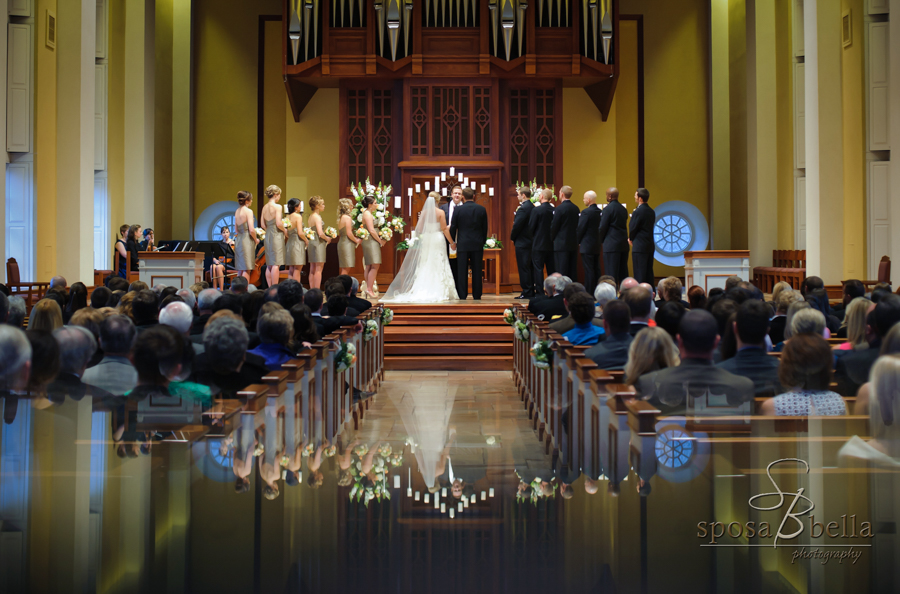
(674,448)
(224,221)
(672,234)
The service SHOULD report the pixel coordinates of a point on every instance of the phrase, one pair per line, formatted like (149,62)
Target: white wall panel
(879,210)
(18,89)
(877,74)
(878,6)
(20,7)
(799,116)
(20,217)
(799,213)
(102,243)
(100,119)
(100,52)
(797,27)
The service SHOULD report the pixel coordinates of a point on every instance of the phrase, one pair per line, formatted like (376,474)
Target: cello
(258,265)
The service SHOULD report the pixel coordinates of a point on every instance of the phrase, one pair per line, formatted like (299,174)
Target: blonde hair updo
(273,191)
(345,207)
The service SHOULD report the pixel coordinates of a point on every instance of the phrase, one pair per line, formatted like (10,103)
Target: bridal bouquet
(509,317)
(385,233)
(493,244)
(260,234)
(346,357)
(331,232)
(541,354)
(387,316)
(520,329)
(370,330)
(310,233)
(362,233)
(536,190)
(286,221)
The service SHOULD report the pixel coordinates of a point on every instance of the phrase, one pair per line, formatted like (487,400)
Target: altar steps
(449,337)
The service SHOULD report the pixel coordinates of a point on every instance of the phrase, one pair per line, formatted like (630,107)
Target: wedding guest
(851,290)
(226,365)
(333,288)
(76,347)
(290,293)
(521,238)
(347,241)
(614,236)
(91,319)
(469,230)
(806,372)
(351,285)
(539,224)
(16,314)
(552,306)
(305,333)
(776,291)
(78,297)
(371,246)
(629,283)
(114,373)
(696,297)
(640,230)
(121,251)
(671,291)
(640,302)
(205,303)
(750,327)
(612,352)
(15,352)
(668,317)
(46,315)
(564,232)
(145,309)
(565,324)
(276,331)
(603,294)
(589,239)
(179,316)
(651,350)
(889,346)
(852,368)
(853,328)
(778,324)
(245,236)
(219,267)
(100,297)
(276,235)
(44,360)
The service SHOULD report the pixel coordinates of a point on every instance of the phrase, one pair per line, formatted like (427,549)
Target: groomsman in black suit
(470,229)
(542,244)
(449,210)
(589,240)
(521,238)
(563,230)
(614,236)
(640,230)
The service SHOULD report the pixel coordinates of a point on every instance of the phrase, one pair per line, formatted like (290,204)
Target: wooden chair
(31,292)
(884,274)
(130,276)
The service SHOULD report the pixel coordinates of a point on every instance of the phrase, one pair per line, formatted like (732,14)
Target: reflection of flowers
(509,317)
(330,451)
(285,460)
(346,357)
(331,232)
(387,316)
(521,330)
(491,440)
(370,330)
(397,460)
(362,233)
(309,450)
(542,354)
(361,450)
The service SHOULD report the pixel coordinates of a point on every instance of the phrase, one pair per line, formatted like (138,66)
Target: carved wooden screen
(533,145)
(367,143)
(451,120)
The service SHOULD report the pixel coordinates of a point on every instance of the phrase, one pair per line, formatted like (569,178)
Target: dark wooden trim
(260,107)
(639,18)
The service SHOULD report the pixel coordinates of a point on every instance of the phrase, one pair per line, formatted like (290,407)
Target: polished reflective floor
(444,485)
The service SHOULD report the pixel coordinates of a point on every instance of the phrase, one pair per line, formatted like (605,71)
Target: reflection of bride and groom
(426,275)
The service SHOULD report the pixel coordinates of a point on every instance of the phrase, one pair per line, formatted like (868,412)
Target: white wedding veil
(406,276)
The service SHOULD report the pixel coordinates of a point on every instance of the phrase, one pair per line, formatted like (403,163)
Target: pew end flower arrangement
(509,316)
(542,354)
(520,329)
(387,316)
(346,357)
(370,330)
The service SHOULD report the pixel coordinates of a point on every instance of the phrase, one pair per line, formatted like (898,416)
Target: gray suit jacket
(697,387)
(116,375)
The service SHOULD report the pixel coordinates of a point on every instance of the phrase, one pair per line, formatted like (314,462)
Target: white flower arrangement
(310,233)
(380,206)
(398,224)
(490,440)
(331,232)
(260,233)
(385,233)
(521,330)
(362,233)
(509,317)
(286,221)
(493,243)
(346,357)
(370,330)
(536,190)
(542,354)
(387,316)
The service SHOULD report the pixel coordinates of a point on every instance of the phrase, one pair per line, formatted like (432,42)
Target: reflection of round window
(674,448)
(215,450)
(672,234)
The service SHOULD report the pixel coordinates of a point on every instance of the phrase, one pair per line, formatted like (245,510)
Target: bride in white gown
(425,275)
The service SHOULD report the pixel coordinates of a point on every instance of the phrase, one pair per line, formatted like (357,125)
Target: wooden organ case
(472,84)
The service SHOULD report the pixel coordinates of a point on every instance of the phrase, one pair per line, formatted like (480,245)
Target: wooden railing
(787,265)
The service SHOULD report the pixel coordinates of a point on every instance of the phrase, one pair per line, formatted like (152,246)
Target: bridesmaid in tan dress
(347,242)
(276,235)
(371,246)
(245,240)
(317,243)
(297,241)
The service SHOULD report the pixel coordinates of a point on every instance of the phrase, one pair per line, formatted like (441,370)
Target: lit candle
(483,495)
(444,175)
(427,186)
(413,234)
(491,492)
(418,495)
(437,181)
(452,170)
(465,181)
(397,202)
(472,184)
(490,191)
(443,508)
(465,502)
(426,498)
(459,506)
(301,207)
(409,492)
(483,188)
(437,502)
(444,492)
(410,192)
(460,176)
(418,188)
(396,481)
(285,209)
(443,191)
(410,214)
(451,513)
(472,499)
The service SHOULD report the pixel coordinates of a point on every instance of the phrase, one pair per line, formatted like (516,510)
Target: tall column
(894,135)
(140,17)
(762,145)
(5,11)
(76,24)
(720,126)
(824,147)
(182,149)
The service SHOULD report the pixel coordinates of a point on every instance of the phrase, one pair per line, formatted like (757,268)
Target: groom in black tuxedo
(469,228)
(449,209)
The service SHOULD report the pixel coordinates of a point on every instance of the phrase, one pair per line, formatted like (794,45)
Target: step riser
(448,365)
(448,350)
